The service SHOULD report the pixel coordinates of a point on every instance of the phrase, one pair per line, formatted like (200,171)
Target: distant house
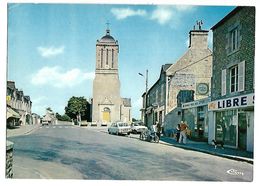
(154,110)
(18,104)
(189,78)
(49,118)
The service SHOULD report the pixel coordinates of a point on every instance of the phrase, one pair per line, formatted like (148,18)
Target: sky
(52,47)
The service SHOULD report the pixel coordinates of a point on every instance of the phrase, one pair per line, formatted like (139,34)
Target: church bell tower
(106,105)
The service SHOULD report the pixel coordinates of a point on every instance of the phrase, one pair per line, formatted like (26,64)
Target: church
(107,104)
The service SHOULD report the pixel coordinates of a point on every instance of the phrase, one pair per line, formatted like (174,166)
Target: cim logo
(235,172)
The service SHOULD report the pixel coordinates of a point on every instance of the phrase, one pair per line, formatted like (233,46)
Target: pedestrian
(183,137)
(159,128)
(154,127)
(178,130)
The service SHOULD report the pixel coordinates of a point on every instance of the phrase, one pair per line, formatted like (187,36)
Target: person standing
(178,130)
(159,128)
(183,137)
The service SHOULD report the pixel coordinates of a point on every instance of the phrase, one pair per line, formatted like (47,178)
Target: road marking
(40,127)
(66,127)
(54,127)
(47,127)
(60,127)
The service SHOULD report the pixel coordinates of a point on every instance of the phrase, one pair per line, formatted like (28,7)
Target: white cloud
(57,77)
(50,51)
(123,13)
(170,14)
(162,14)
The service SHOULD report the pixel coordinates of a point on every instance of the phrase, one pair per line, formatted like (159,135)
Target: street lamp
(146,90)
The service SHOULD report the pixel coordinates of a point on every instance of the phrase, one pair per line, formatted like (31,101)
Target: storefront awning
(149,110)
(11,113)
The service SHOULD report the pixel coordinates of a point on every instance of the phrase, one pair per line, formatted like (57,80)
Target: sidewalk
(21,130)
(210,149)
(203,147)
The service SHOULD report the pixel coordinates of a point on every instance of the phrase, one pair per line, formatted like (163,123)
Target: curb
(29,131)
(211,153)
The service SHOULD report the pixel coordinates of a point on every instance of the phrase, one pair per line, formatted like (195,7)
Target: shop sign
(202,89)
(234,102)
(195,103)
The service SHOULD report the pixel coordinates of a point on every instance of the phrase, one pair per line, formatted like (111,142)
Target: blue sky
(51,47)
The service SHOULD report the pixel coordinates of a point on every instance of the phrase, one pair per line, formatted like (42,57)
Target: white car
(137,128)
(119,128)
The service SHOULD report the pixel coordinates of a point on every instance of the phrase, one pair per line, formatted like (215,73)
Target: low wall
(9,159)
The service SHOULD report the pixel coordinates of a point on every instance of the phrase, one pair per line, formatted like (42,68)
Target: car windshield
(122,124)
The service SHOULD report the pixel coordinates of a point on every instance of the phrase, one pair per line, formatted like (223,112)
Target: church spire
(107,30)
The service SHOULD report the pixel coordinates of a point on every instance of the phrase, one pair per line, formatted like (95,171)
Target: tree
(77,106)
(63,117)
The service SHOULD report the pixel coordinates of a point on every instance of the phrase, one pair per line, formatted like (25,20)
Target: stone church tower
(107,105)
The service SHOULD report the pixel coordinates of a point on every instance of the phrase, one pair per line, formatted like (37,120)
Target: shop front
(195,114)
(234,121)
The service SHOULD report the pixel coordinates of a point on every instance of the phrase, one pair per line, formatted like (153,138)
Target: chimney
(198,37)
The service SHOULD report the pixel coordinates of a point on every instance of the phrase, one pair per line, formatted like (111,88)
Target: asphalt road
(71,152)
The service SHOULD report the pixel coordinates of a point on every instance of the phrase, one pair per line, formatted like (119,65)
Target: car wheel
(128,133)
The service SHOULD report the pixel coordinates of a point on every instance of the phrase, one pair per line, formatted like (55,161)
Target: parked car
(45,123)
(119,128)
(93,123)
(137,128)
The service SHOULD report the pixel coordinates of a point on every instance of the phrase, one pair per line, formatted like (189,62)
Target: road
(71,152)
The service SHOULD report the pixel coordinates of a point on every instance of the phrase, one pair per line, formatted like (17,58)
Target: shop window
(226,127)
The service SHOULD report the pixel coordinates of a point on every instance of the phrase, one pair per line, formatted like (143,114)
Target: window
(157,96)
(162,92)
(234,37)
(107,58)
(112,58)
(234,79)
(101,58)
(237,77)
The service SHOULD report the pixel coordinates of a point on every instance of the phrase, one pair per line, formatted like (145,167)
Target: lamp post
(146,90)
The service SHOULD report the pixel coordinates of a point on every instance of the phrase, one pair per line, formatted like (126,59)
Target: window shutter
(241,76)
(223,82)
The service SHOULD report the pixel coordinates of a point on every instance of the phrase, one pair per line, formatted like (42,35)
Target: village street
(67,151)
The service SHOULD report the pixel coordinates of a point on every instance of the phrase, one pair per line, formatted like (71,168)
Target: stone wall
(9,160)
(244,19)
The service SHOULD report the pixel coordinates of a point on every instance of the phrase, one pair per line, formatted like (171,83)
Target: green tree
(77,106)
(63,117)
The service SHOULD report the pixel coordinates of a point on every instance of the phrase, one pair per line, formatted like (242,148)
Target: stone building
(189,78)
(18,103)
(232,95)
(49,117)
(156,96)
(107,104)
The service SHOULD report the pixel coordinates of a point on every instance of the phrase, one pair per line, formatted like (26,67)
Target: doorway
(242,130)
(106,115)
